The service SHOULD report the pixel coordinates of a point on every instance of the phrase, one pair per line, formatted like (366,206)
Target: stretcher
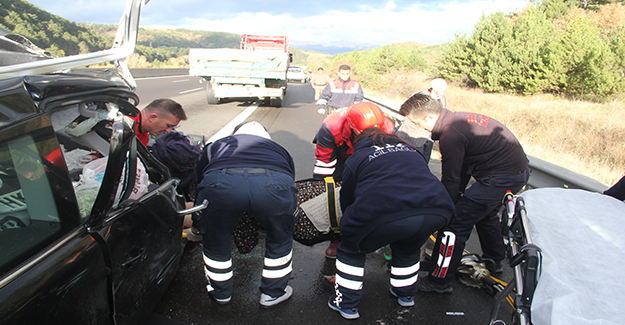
(567,249)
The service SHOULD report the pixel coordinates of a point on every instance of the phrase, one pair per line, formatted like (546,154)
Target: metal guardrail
(543,173)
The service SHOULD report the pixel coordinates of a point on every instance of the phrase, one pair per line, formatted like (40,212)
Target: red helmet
(365,115)
(389,126)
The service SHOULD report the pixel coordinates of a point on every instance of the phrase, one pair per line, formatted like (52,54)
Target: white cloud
(374,23)
(367,25)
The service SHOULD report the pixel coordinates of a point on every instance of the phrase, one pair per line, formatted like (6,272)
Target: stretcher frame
(525,258)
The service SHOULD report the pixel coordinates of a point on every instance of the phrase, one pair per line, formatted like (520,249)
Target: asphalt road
(294,126)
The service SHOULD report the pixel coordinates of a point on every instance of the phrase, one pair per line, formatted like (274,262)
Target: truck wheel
(210,95)
(275,102)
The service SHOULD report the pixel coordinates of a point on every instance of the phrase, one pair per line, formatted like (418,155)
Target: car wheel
(275,102)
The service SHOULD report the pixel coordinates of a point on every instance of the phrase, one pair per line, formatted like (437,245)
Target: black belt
(241,170)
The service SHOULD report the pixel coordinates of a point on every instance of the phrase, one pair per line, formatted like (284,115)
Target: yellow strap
(333,215)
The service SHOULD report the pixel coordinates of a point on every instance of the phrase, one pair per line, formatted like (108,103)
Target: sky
(375,22)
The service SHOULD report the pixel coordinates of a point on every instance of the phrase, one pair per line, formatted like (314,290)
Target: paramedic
(247,173)
(389,196)
(334,143)
(471,145)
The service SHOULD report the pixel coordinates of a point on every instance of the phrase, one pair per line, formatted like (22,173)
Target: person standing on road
(318,81)
(340,92)
(247,173)
(389,196)
(160,116)
(334,143)
(471,145)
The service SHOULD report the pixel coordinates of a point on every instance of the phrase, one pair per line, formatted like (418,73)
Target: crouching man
(471,145)
(247,173)
(388,196)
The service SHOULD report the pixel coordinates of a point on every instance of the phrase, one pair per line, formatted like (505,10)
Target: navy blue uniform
(246,174)
(388,196)
(475,145)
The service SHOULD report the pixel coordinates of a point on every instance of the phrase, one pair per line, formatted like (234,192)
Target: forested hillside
(560,47)
(55,34)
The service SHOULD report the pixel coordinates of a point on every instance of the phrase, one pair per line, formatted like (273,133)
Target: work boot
(331,250)
(426,284)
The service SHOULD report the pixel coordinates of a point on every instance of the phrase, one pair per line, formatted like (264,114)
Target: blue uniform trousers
(405,236)
(478,207)
(270,197)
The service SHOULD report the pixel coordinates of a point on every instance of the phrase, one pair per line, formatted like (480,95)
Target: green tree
(588,60)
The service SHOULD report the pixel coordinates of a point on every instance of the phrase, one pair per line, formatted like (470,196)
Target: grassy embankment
(587,138)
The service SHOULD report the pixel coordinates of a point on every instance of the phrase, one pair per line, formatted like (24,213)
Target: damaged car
(90,222)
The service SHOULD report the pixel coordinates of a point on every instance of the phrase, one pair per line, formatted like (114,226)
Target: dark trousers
(617,190)
(478,207)
(270,198)
(405,236)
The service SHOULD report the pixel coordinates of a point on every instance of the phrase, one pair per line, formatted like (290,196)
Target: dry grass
(587,138)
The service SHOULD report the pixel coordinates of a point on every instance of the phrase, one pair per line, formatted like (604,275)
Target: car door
(51,270)
(143,236)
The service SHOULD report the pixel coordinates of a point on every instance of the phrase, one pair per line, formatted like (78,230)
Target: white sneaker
(192,236)
(268,301)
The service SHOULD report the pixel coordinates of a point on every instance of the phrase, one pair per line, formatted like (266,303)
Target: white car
(296,74)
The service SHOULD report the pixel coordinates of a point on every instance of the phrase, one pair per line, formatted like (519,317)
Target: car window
(37,205)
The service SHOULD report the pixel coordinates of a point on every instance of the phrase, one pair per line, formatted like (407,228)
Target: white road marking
(192,90)
(180,80)
(227,130)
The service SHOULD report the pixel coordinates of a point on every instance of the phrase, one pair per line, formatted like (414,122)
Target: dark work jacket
(475,145)
(245,150)
(384,184)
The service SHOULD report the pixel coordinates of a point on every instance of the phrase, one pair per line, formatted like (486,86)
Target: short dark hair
(320,68)
(419,105)
(345,67)
(165,105)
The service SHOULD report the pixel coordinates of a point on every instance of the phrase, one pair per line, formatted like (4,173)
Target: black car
(90,221)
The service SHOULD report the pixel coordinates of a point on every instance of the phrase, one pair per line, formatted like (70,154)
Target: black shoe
(425,284)
(492,266)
